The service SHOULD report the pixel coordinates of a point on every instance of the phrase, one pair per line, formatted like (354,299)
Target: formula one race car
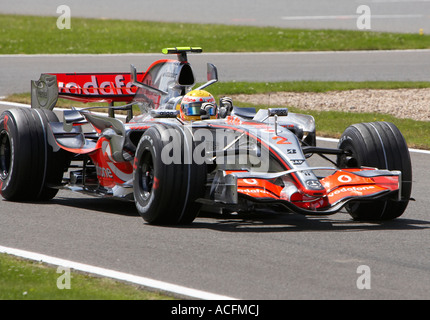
(185,151)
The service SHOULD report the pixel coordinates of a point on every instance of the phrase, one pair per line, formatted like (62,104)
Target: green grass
(27,280)
(30,35)
(333,123)
(235,87)
(22,279)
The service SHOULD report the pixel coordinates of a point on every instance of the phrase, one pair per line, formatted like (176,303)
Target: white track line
(410,149)
(354,17)
(22,105)
(164,286)
(146,282)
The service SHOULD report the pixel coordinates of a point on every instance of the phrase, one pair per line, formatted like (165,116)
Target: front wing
(341,187)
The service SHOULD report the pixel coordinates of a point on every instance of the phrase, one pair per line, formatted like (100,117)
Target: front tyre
(380,145)
(165,192)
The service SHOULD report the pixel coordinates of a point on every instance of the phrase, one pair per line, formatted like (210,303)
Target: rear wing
(165,79)
(181,52)
(84,87)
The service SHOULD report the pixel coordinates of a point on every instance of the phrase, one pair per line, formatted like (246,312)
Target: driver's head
(197,103)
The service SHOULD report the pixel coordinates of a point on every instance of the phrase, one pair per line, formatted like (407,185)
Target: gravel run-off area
(401,103)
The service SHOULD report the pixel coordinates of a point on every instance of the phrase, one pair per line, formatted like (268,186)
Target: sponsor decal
(281,140)
(250,181)
(255,192)
(196,99)
(352,189)
(6,118)
(95,84)
(344,178)
(233,120)
(314,184)
(103,172)
(297,162)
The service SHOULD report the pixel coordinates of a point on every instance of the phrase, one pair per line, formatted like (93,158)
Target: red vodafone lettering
(95,84)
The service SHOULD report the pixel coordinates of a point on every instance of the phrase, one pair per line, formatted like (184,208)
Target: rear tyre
(28,165)
(164,192)
(57,161)
(380,145)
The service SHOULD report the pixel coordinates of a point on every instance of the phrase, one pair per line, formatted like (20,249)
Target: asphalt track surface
(402,65)
(260,256)
(386,15)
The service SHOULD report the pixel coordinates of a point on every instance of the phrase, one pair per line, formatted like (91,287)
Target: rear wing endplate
(44,92)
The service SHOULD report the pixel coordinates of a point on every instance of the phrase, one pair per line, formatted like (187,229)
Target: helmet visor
(193,109)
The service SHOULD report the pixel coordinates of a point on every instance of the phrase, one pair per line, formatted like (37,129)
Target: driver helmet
(192,103)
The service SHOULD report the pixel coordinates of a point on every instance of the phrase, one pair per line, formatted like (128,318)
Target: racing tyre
(380,145)
(28,164)
(57,162)
(165,185)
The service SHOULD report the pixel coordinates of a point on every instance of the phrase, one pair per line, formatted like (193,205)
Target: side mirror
(212,72)
(212,76)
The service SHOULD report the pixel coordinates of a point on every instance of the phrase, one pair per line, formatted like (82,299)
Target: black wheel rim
(5,154)
(146,181)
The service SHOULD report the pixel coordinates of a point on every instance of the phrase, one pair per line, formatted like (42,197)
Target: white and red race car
(184,152)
